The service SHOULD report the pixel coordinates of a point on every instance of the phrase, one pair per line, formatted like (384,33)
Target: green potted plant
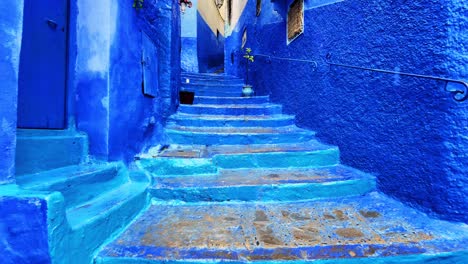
(247,90)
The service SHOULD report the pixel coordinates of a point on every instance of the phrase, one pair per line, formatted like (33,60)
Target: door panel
(150,67)
(42,73)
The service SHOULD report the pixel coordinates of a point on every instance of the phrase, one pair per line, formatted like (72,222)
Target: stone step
(231,121)
(310,154)
(216,136)
(214,86)
(265,185)
(208,76)
(214,100)
(213,92)
(189,80)
(167,167)
(101,208)
(79,183)
(94,222)
(40,149)
(234,109)
(360,229)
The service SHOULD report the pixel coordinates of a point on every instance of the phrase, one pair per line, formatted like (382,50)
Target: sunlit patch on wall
(259,7)
(295,20)
(244,38)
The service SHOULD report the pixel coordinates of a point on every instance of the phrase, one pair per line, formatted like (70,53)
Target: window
(259,7)
(295,20)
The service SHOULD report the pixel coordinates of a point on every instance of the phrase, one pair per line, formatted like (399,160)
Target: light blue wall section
(11,21)
(189,57)
(95,30)
(407,131)
(107,77)
(189,21)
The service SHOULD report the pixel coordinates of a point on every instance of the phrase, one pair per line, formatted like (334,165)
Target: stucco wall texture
(109,104)
(10,34)
(407,131)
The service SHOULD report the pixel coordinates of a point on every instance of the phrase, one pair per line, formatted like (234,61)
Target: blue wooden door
(150,67)
(43,65)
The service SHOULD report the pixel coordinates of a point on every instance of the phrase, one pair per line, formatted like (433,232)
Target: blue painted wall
(11,22)
(407,131)
(23,230)
(110,106)
(161,21)
(189,57)
(210,47)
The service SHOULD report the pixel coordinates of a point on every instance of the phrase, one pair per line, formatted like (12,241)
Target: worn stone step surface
(213,92)
(78,183)
(213,100)
(195,120)
(215,136)
(368,229)
(265,185)
(206,159)
(209,76)
(234,109)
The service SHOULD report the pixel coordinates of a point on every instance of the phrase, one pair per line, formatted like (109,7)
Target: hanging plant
(138,4)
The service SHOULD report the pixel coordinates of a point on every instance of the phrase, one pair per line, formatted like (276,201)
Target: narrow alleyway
(240,182)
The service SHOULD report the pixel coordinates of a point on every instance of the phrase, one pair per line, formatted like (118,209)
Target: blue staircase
(88,201)
(239,182)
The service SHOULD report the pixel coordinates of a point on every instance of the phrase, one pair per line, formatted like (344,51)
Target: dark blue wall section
(10,35)
(43,65)
(210,47)
(407,131)
(189,58)
(162,24)
(23,231)
(133,116)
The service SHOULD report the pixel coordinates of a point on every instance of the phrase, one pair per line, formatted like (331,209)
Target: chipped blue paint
(413,131)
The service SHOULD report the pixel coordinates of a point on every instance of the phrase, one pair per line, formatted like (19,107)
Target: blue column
(11,25)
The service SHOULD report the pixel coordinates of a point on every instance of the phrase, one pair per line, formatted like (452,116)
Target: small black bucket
(186,97)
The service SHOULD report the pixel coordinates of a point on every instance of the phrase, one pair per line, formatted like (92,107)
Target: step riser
(236,100)
(200,110)
(235,139)
(221,87)
(283,192)
(183,81)
(321,158)
(233,123)
(210,77)
(90,186)
(94,234)
(40,153)
(162,167)
(215,93)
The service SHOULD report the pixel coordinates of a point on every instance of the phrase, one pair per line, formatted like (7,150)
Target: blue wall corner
(407,131)
(210,47)
(10,34)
